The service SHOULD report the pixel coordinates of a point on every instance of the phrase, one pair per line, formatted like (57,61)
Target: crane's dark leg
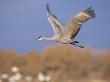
(78,45)
(76,42)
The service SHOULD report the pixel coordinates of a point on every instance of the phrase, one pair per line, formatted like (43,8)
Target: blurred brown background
(67,64)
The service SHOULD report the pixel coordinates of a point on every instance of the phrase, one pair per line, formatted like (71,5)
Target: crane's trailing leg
(77,44)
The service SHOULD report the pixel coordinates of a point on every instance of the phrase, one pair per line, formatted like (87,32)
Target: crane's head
(43,38)
(40,38)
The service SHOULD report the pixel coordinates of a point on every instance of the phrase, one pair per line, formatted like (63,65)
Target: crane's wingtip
(90,11)
(47,7)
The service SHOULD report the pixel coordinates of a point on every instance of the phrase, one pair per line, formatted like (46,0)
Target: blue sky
(23,20)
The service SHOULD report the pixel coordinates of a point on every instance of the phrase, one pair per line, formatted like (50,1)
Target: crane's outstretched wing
(76,22)
(55,23)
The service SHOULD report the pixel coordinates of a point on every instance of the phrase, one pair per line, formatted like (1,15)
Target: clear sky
(23,20)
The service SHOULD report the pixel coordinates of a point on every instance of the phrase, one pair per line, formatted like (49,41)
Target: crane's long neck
(46,38)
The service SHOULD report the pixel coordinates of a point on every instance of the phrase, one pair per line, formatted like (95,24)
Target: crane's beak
(38,38)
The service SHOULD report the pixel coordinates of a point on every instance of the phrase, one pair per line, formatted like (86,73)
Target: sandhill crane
(67,35)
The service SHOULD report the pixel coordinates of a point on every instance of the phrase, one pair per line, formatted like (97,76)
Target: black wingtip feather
(47,7)
(90,12)
(49,12)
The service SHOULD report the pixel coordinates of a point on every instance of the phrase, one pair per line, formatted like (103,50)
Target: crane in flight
(66,34)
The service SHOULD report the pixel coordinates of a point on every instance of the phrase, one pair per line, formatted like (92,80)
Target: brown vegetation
(66,63)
